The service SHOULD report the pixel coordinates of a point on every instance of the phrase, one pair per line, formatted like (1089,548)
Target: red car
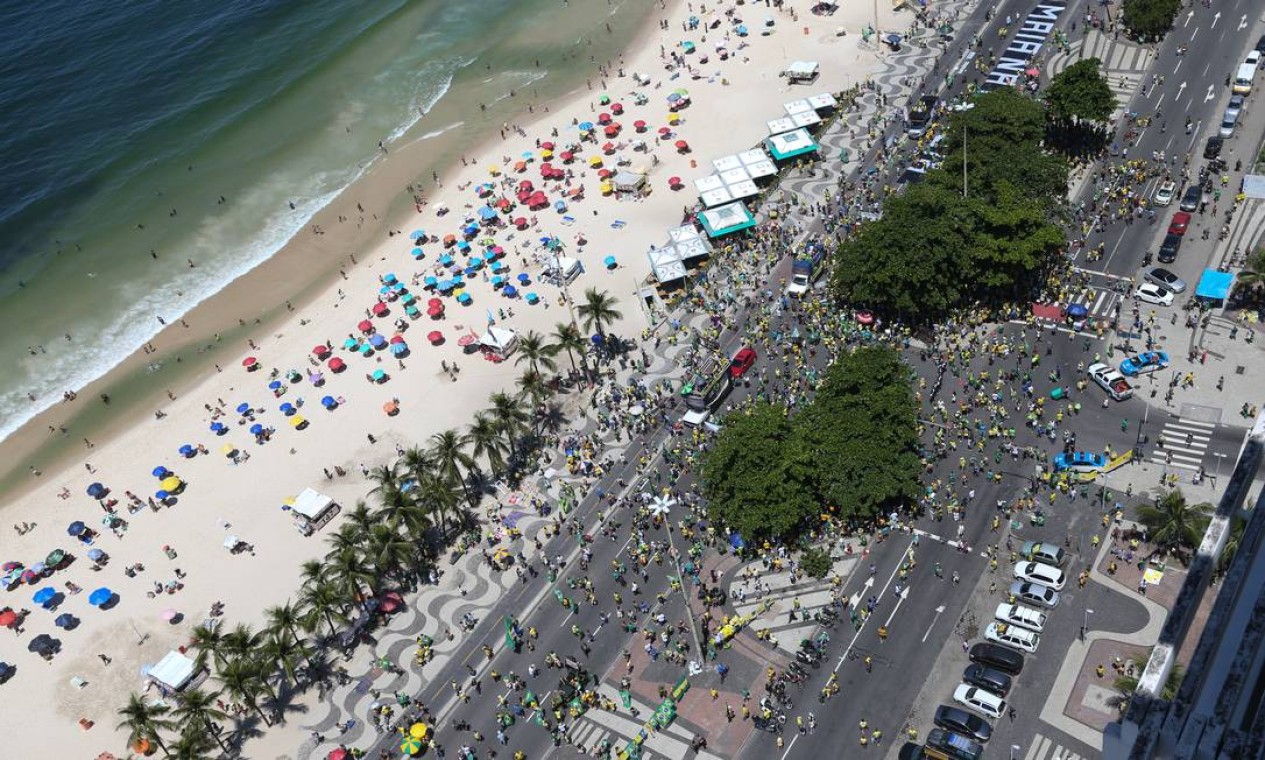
(742,362)
(1180,223)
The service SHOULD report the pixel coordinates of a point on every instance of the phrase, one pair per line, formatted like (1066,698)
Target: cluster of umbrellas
(16,573)
(169,484)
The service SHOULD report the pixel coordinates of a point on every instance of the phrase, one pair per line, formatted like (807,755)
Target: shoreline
(132,389)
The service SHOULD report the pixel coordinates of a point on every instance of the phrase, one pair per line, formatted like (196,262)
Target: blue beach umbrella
(417,253)
(510,291)
(160,472)
(44,595)
(366,350)
(399,349)
(96,490)
(532,298)
(465,299)
(377,340)
(243,407)
(287,409)
(417,235)
(609,261)
(351,344)
(463,246)
(219,428)
(524,278)
(379,375)
(256,429)
(586,126)
(469,229)
(486,213)
(445,260)
(329,402)
(76,528)
(497,281)
(274,385)
(431,281)
(65,620)
(100,596)
(162,495)
(187,450)
(95,554)
(390,278)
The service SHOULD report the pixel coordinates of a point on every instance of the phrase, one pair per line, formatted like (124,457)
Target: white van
(1012,636)
(1243,79)
(1024,617)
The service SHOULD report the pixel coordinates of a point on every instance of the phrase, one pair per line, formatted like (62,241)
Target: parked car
(953,745)
(742,362)
(1001,658)
(1162,276)
(1047,553)
(1035,593)
(1012,636)
(980,700)
(1039,572)
(989,678)
(1149,292)
(1179,224)
(1212,149)
(960,721)
(1111,381)
(1229,121)
(1191,198)
(1164,193)
(1024,617)
(1079,461)
(1147,361)
(1169,248)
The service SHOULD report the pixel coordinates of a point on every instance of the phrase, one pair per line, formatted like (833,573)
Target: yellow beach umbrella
(228,449)
(674,118)
(607,188)
(171,484)
(418,730)
(546,154)
(595,161)
(494,170)
(410,745)
(296,421)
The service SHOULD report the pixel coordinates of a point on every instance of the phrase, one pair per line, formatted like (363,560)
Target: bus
(707,385)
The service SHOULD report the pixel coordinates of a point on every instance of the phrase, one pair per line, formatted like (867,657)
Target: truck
(1110,380)
(920,115)
(805,269)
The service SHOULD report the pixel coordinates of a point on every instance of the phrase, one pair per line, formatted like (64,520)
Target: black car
(1004,659)
(1169,248)
(960,721)
(1191,198)
(1212,148)
(988,678)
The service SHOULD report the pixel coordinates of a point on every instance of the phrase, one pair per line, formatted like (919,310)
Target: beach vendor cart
(312,511)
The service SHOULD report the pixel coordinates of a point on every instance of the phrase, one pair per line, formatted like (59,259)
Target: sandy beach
(181,544)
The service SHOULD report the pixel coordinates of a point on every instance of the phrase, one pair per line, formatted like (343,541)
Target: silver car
(1228,122)
(1162,276)
(1035,593)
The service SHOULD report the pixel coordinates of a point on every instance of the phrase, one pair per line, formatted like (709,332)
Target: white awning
(501,341)
(627,181)
(670,271)
(708,183)
(734,176)
(764,168)
(778,126)
(174,671)
(823,102)
(717,197)
(311,504)
(743,189)
(725,163)
(797,106)
(684,234)
(801,70)
(753,156)
(806,119)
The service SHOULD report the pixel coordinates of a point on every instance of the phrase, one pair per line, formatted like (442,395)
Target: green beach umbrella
(604,99)
(410,745)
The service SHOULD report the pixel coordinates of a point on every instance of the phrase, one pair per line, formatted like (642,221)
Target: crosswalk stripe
(1202,427)
(1042,745)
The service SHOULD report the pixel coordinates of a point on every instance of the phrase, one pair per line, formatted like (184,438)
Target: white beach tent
(823,102)
(708,183)
(173,671)
(779,126)
(718,197)
(725,163)
(797,106)
(806,119)
(626,181)
(500,341)
(801,71)
(666,264)
(757,163)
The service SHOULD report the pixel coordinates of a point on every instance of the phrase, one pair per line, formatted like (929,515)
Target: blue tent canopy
(1215,285)
(726,219)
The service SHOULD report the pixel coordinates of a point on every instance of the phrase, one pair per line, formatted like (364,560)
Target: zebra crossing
(792,603)
(1041,746)
(597,726)
(1183,444)
(1099,302)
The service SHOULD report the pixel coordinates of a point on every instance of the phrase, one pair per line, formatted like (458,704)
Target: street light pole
(1219,457)
(1085,625)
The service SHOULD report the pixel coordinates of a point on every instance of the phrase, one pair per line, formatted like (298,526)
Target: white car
(1039,572)
(1024,617)
(1110,380)
(1149,292)
(1013,636)
(1165,192)
(983,702)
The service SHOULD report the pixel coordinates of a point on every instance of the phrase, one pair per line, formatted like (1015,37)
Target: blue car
(1081,461)
(1147,361)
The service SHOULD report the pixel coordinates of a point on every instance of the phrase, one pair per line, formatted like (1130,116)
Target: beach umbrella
(608,147)
(171,484)
(379,376)
(320,351)
(76,528)
(391,408)
(603,118)
(464,299)
(96,555)
(595,161)
(674,97)
(256,429)
(287,409)
(532,298)
(65,620)
(100,596)
(44,595)
(463,246)
(380,309)
(96,490)
(674,183)
(435,337)
(399,349)
(365,326)
(682,146)
(42,644)
(169,614)
(55,558)
(274,385)
(509,291)
(665,131)
(524,278)
(417,253)
(329,402)
(610,262)
(162,495)
(10,566)
(410,745)
(586,126)
(162,472)
(7,618)
(416,235)
(639,125)
(228,450)
(218,428)
(250,362)
(378,340)
(187,450)
(604,173)
(338,754)
(892,39)
(243,408)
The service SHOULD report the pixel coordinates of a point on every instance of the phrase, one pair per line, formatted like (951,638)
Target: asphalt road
(925,617)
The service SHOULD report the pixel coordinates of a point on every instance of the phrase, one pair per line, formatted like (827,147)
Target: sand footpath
(731,100)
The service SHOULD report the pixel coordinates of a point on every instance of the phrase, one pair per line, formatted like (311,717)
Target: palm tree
(513,419)
(350,537)
(311,572)
(416,461)
(440,496)
(197,709)
(245,681)
(567,337)
(323,601)
(209,641)
(532,386)
(448,451)
(388,551)
(533,349)
(1232,544)
(1253,275)
(1174,525)
(145,721)
(193,744)
(288,620)
(598,311)
(349,575)
(486,441)
(279,651)
(388,488)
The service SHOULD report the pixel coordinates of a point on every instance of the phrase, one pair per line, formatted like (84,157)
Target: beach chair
(78,682)
(568,220)
(618,224)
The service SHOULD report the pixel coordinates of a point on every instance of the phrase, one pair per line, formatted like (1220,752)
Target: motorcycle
(808,659)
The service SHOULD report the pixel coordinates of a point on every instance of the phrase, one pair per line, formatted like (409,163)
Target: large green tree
(1149,20)
(755,478)
(1080,93)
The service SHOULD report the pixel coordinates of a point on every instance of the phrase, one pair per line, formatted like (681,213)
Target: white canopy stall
(499,341)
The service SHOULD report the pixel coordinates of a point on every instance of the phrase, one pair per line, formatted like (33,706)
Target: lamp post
(1085,625)
(1219,457)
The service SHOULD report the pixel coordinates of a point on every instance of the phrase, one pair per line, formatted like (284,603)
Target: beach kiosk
(1214,288)
(499,341)
(790,145)
(313,511)
(801,71)
(629,182)
(173,672)
(726,220)
(563,269)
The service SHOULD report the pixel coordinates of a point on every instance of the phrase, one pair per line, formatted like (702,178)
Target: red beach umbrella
(682,146)
(603,118)
(320,351)
(612,131)
(8,618)
(337,365)
(365,326)
(525,185)
(604,173)
(379,309)
(435,302)
(521,223)
(397,338)
(608,148)
(523,195)
(674,182)
(617,108)
(546,146)
(665,131)
(639,125)
(250,362)
(435,337)
(567,156)
(435,311)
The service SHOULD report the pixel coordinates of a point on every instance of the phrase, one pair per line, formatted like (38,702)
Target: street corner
(717,713)
(1108,672)
(1133,566)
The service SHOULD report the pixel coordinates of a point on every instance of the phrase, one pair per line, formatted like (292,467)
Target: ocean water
(211,133)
